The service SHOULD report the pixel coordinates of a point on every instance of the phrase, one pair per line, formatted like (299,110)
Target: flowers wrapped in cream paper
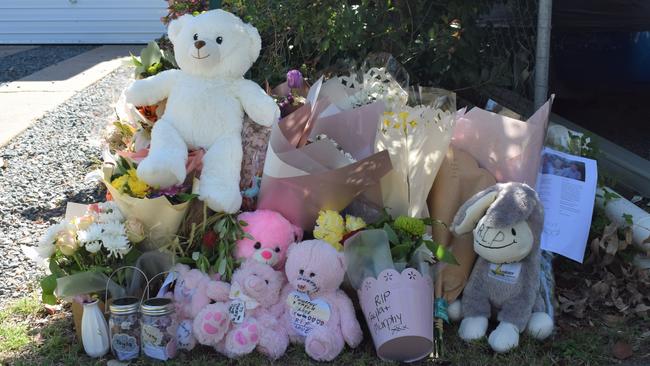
(159,217)
(415,128)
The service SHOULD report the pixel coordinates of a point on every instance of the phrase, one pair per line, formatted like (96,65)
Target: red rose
(209,239)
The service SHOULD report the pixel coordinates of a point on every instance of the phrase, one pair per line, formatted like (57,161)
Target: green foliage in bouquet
(407,234)
(177,8)
(440,43)
(152,60)
(212,243)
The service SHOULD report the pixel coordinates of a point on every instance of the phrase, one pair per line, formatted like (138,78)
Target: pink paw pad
(213,327)
(246,333)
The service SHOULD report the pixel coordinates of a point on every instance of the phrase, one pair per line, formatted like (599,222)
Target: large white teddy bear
(206,101)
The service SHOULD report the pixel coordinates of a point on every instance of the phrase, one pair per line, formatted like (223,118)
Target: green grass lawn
(30,336)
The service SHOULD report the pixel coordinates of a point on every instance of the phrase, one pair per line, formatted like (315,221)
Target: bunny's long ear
(471,211)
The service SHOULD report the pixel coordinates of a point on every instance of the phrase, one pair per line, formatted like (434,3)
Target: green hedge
(438,41)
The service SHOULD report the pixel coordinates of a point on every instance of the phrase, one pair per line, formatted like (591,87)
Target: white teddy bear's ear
(176,25)
(256,41)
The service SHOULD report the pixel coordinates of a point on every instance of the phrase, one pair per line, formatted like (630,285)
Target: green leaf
(48,285)
(56,270)
(400,251)
(49,299)
(441,252)
(185,197)
(392,236)
(222,266)
(150,54)
(628,219)
(135,60)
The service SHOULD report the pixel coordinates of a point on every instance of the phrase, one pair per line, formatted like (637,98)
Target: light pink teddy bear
(271,236)
(317,313)
(194,290)
(251,319)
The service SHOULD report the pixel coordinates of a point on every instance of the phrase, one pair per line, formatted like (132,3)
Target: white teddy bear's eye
(196,36)
(219,40)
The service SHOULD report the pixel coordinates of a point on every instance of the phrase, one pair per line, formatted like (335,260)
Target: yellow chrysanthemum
(138,188)
(119,182)
(330,227)
(330,237)
(353,223)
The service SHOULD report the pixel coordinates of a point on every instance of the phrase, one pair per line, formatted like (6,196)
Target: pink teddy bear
(251,319)
(271,236)
(194,290)
(317,313)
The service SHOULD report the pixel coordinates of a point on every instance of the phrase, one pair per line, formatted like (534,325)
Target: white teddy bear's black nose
(199,44)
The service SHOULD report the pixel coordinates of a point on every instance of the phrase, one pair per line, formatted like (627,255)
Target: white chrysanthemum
(113,216)
(51,234)
(113,228)
(93,246)
(93,233)
(117,245)
(108,206)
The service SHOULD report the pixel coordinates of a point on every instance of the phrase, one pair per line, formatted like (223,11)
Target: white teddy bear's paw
(540,325)
(221,199)
(161,173)
(472,328)
(504,338)
(455,311)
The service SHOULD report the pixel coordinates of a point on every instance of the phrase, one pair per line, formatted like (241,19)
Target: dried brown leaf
(622,350)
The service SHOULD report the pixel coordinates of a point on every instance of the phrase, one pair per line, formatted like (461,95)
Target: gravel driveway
(44,168)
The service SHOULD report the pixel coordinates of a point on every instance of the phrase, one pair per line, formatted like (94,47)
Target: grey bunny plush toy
(507,221)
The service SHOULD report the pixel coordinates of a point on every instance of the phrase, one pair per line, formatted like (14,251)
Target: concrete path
(24,101)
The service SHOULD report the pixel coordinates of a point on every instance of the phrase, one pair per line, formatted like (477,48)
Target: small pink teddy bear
(271,236)
(193,291)
(251,319)
(317,313)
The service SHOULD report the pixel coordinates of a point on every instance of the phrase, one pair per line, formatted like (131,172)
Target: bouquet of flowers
(82,250)
(415,128)
(161,211)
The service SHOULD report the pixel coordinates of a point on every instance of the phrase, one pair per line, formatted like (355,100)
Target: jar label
(151,335)
(125,346)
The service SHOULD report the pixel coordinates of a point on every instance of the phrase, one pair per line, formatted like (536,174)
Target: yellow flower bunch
(130,180)
(331,227)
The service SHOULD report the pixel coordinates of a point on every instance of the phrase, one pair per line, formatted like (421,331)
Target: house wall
(81,21)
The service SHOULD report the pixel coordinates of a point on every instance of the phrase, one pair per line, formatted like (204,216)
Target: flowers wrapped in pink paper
(315,163)
(506,147)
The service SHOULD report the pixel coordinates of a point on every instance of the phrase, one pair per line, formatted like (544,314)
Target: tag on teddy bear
(307,314)
(506,272)
(237,310)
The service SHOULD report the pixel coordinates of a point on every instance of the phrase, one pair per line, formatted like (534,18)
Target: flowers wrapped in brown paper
(458,179)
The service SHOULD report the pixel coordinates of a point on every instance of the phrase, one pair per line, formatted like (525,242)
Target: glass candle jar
(158,326)
(124,326)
